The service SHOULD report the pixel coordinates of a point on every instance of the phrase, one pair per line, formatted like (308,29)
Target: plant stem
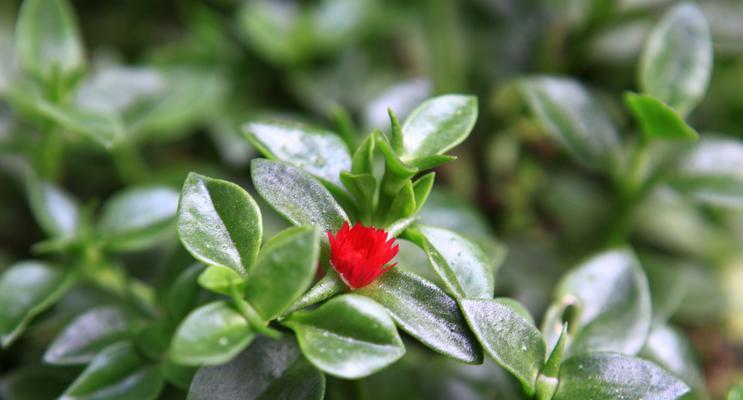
(129,163)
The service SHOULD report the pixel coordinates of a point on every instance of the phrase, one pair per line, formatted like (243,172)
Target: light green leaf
(104,128)
(90,333)
(350,336)
(118,372)
(220,279)
(425,312)
(615,376)
(512,341)
(403,204)
(461,264)
(26,289)
(319,152)
(267,369)
(219,223)
(657,120)
(212,334)
(676,62)
(422,188)
(574,119)
(297,196)
(437,125)
(138,217)
(54,209)
(284,270)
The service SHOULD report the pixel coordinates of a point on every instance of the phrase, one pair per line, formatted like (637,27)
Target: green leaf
(267,369)
(26,289)
(55,210)
(548,378)
(657,120)
(284,270)
(138,217)
(613,300)
(221,279)
(219,223)
(350,336)
(403,204)
(670,349)
(34,383)
(118,372)
(735,393)
(512,341)
(422,188)
(363,158)
(461,264)
(318,152)
(48,43)
(183,294)
(615,376)
(676,62)
(712,172)
(270,28)
(90,333)
(104,128)
(425,312)
(298,197)
(437,125)
(574,119)
(212,334)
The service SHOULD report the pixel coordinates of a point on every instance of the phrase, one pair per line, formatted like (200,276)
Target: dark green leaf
(219,223)
(437,125)
(284,270)
(138,217)
(513,342)
(90,333)
(676,63)
(183,294)
(427,313)
(118,372)
(26,289)
(298,197)
(573,117)
(657,120)
(319,152)
(54,209)
(34,383)
(212,334)
(267,369)
(615,376)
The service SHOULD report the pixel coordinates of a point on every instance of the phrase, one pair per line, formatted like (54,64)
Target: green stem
(50,154)
(129,163)
(327,287)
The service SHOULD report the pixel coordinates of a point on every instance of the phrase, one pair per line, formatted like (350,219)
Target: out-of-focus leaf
(54,209)
(670,349)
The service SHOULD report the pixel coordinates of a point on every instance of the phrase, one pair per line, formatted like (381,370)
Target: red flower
(359,254)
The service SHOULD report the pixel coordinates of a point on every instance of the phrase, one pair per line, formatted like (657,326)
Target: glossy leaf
(676,62)
(573,117)
(712,172)
(90,333)
(118,372)
(26,289)
(512,341)
(461,264)
(284,270)
(300,198)
(668,348)
(319,152)
(422,188)
(138,217)
(220,279)
(219,223)
(267,369)
(54,209)
(403,204)
(350,336)
(425,312)
(212,334)
(615,376)
(437,125)
(613,300)
(657,120)
(48,41)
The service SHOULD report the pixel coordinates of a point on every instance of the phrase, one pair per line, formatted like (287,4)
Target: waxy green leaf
(90,333)
(615,376)
(657,120)
(425,312)
(512,341)
(284,270)
(118,372)
(138,217)
(436,126)
(318,152)
(219,223)
(221,280)
(26,289)
(212,334)
(297,196)
(267,369)
(350,336)
(55,210)
(676,62)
